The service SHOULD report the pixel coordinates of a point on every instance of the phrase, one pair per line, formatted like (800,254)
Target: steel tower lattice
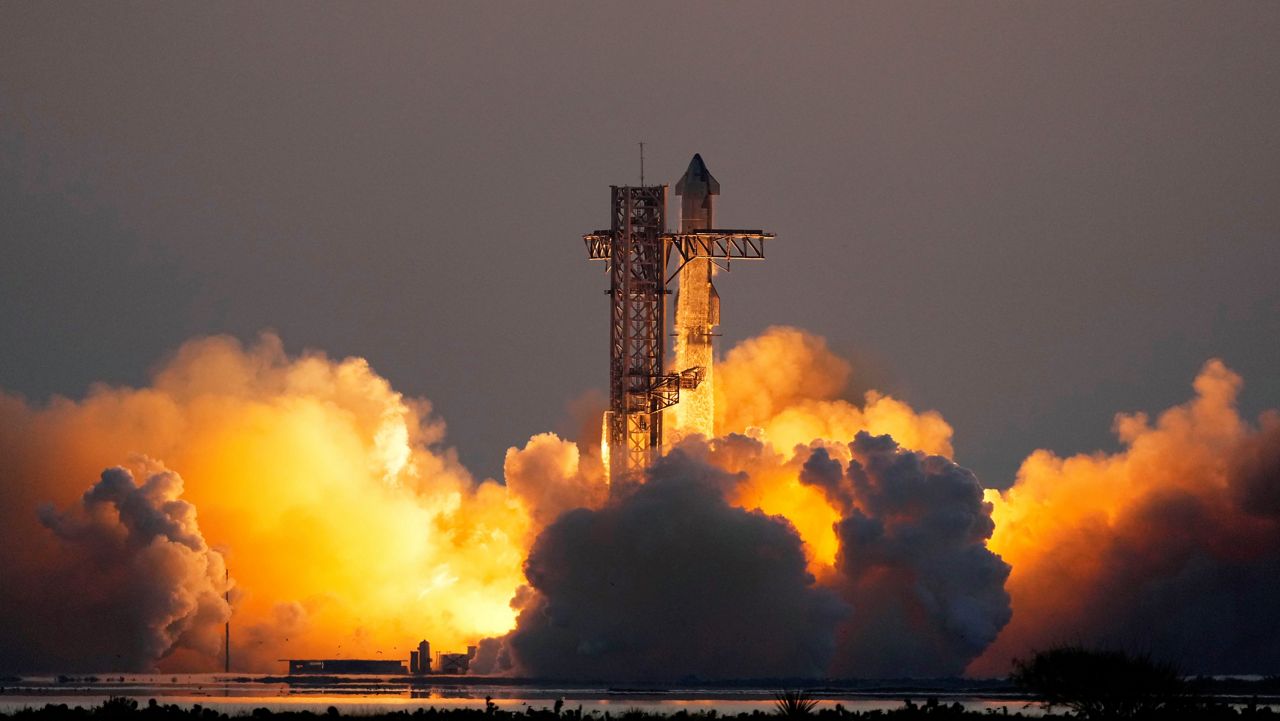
(638,251)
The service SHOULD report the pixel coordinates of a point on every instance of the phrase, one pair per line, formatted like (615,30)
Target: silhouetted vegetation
(794,704)
(1100,684)
(128,709)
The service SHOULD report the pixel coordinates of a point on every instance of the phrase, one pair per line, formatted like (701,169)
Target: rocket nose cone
(697,168)
(697,179)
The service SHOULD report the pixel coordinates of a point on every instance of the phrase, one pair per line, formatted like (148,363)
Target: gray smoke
(1192,575)
(1255,473)
(928,596)
(672,582)
(492,656)
(139,580)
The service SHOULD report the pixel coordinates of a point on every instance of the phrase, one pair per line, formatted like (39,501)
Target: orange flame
(348,530)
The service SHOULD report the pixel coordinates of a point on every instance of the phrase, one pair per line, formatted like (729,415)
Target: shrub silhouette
(1099,684)
(794,704)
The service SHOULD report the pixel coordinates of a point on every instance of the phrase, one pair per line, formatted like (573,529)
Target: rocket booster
(697,304)
(697,189)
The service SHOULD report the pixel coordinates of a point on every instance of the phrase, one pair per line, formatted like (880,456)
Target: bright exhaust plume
(350,529)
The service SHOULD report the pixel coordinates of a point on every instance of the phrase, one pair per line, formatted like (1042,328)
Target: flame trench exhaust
(639,251)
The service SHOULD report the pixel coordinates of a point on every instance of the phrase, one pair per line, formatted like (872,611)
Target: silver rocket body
(697,305)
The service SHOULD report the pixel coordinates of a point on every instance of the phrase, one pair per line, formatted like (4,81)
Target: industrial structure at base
(639,250)
(419,664)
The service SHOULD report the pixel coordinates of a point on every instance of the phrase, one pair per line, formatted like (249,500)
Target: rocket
(697,304)
(697,189)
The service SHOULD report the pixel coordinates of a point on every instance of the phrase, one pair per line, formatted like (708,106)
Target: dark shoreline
(131,709)
(159,696)
(1266,687)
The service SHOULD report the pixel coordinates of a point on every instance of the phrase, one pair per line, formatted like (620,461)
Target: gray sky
(1026,216)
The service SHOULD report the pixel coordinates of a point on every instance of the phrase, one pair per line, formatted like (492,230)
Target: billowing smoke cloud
(673,582)
(348,528)
(928,594)
(677,580)
(755,554)
(787,388)
(1171,546)
(801,541)
(137,581)
(549,476)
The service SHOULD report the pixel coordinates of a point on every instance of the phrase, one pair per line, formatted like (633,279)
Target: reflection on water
(355,694)
(352,695)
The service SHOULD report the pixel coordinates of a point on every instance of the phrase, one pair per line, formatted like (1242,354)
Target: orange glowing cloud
(1159,547)
(784,386)
(348,529)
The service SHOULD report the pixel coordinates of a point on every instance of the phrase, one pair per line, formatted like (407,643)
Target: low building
(298,667)
(454,663)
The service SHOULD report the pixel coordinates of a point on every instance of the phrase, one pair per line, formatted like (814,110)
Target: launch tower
(639,252)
